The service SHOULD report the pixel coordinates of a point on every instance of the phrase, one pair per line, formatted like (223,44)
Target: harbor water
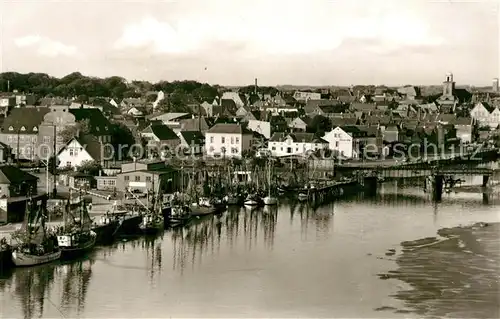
(340,260)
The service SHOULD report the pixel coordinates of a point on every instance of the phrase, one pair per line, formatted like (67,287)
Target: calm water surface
(287,262)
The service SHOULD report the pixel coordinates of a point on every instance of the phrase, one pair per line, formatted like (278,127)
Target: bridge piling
(437,187)
(486,178)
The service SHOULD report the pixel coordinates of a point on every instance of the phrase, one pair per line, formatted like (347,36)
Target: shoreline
(453,274)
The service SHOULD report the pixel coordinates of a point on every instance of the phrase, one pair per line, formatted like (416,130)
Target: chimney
(255,88)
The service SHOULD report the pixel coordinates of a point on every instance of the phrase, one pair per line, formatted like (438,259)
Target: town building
(287,144)
(146,176)
(304,96)
(227,139)
(160,139)
(353,141)
(59,117)
(486,115)
(20,131)
(193,142)
(82,149)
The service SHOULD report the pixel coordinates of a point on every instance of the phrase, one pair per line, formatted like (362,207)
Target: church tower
(448,86)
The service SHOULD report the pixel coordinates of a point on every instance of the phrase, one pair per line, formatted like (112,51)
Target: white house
(229,140)
(486,115)
(283,144)
(349,141)
(84,148)
(304,96)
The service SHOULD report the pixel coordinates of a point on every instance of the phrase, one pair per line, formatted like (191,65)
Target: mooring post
(437,191)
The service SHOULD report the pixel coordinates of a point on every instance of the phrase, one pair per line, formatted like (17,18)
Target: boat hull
(5,259)
(270,201)
(152,228)
(106,233)
(68,253)
(20,259)
(130,225)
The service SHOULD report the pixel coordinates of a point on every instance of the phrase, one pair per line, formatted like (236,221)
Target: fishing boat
(76,237)
(303,195)
(35,245)
(232,199)
(269,199)
(180,215)
(106,228)
(253,200)
(5,255)
(153,220)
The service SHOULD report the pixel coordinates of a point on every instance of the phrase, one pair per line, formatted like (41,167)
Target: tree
(319,125)
(81,127)
(122,139)
(89,167)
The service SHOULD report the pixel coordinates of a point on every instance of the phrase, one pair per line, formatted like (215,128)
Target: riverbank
(454,274)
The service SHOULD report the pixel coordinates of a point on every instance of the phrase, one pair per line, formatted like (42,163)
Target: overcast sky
(231,42)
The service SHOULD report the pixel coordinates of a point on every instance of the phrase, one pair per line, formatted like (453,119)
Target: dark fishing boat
(5,255)
(34,244)
(76,237)
(180,215)
(106,229)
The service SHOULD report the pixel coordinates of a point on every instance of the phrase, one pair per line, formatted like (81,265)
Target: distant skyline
(232,42)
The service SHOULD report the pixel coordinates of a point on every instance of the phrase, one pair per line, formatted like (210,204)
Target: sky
(232,42)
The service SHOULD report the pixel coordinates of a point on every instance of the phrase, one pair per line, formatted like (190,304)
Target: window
(11,128)
(234,150)
(223,140)
(71,152)
(126,178)
(23,128)
(337,144)
(232,140)
(211,139)
(237,140)
(59,139)
(273,148)
(148,178)
(46,139)
(137,178)
(68,164)
(211,149)
(9,138)
(35,129)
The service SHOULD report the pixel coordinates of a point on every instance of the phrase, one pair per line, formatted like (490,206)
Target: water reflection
(34,287)
(203,236)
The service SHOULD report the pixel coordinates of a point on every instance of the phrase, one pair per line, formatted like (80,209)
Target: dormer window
(23,128)
(35,129)
(11,128)
(97,128)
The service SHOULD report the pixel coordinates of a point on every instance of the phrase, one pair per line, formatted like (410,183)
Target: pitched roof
(297,137)
(93,147)
(197,124)
(99,124)
(27,117)
(363,106)
(229,105)
(193,137)
(12,175)
(162,132)
(228,128)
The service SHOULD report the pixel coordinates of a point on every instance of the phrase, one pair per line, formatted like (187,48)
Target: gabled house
(463,128)
(238,99)
(82,149)
(160,139)
(260,127)
(287,144)
(242,111)
(227,140)
(193,142)
(300,124)
(353,141)
(20,129)
(305,96)
(15,182)
(366,108)
(486,115)
(318,107)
